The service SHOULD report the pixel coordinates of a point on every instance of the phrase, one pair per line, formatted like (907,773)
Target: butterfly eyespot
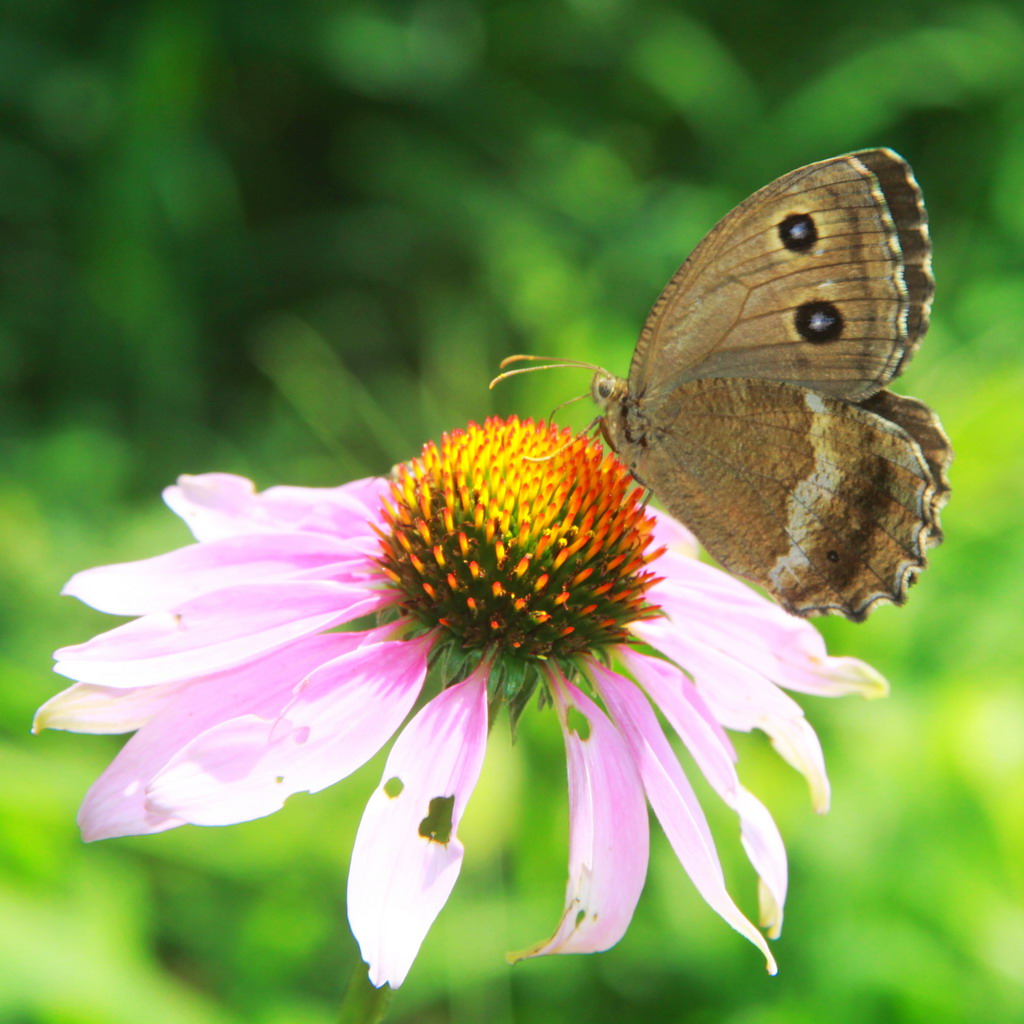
(819,321)
(833,556)
(797,232)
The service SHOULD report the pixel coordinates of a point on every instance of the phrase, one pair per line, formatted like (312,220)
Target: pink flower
(512,560)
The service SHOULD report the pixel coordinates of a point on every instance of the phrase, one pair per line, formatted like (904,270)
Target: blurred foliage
(293,240)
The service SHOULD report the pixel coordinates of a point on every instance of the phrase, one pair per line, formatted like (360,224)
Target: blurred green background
(293,240)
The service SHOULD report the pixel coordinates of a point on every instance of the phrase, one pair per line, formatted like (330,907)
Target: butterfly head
(607,390)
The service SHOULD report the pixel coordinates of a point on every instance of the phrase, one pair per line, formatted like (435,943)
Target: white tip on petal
(103,709)
(851,675)
(798,743)
(169,580)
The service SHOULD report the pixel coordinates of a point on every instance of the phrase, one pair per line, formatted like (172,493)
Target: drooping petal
(86,708)
(116,803)
(608,830)
(216,505)
(742,698)
(766,851)
(690,717)
(672,798)
(215,632)
(166,581)
(407,855)
(341,715)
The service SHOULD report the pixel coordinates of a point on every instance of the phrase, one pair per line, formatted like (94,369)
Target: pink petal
(742,698)
(402,873)
(341,511)
(215,632)
(608,831)
(116,803)
(690,717)
(673,800)
(217,505)
(213,505)
(341,715)
(736,691)
(717,607)
(103,709)
(671,534)
(155,584)
(722,611)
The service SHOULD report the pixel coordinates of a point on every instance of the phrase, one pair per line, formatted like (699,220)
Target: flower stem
(362,1003)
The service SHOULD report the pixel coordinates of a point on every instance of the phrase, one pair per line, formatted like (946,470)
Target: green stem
(364,1004)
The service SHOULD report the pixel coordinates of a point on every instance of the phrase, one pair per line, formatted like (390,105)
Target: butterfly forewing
(806,282)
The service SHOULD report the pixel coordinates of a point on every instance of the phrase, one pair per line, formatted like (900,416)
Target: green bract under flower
(521,541)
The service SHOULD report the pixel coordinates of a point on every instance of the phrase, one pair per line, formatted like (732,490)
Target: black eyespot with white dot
(797,232)
(833,556)
(819,322)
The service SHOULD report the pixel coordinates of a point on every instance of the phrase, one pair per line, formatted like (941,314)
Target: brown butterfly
(755,407)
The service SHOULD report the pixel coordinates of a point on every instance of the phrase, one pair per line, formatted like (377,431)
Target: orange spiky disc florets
(517,537)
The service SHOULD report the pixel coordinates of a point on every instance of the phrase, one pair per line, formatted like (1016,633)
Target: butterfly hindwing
(829,506)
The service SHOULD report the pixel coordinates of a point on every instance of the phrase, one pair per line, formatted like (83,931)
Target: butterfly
(756,407)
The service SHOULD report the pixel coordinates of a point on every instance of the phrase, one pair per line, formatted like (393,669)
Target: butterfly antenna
(549,363)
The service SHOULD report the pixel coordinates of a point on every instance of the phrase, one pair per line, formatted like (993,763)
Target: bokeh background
(293,240)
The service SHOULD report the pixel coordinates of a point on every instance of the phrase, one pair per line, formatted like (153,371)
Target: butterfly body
(756,406)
